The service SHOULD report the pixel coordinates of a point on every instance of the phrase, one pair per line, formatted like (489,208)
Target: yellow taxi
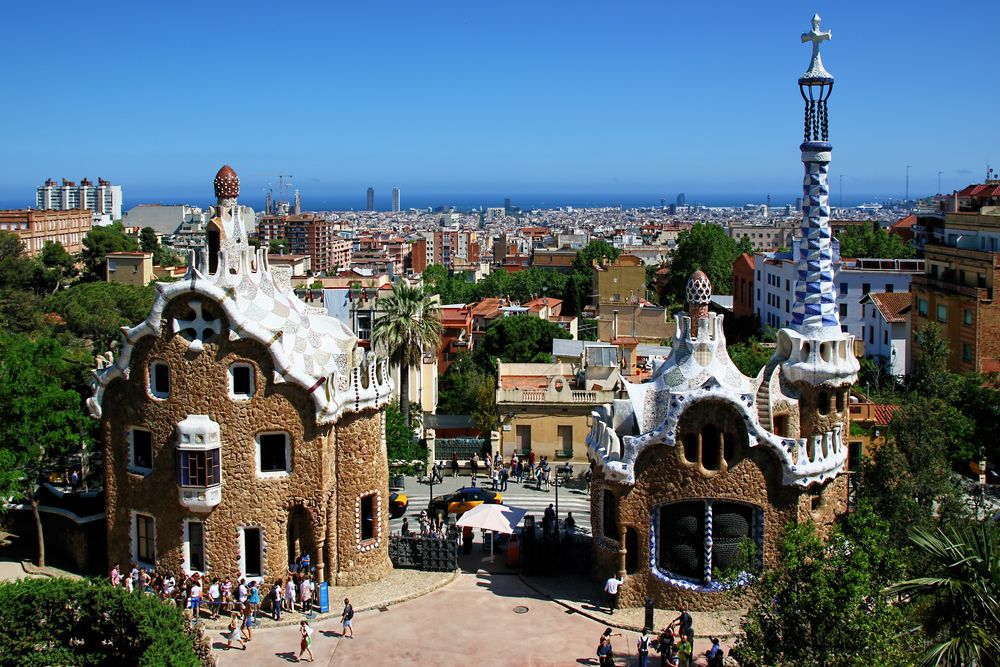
(463,500)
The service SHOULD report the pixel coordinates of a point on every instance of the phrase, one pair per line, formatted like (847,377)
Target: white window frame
(259,578)
(135,538)
(151,385)
(132,466)
(232,387)
(187,546)
(288,456)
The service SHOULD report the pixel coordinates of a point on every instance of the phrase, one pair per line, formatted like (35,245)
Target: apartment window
(885,337)
(866,288)
(144,539)
(609,515)
(252,552)
(140,451)
(922,307)
(241,381)
(159,379)
(274,454)
(368,519)
(967,317)
(889,288)
(843,288)
(787,310)
(942,313)
(199,467)
(966,351)
(854,449)
(194,546)
(843,310)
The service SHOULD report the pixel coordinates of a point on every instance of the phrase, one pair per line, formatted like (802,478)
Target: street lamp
(939,182)
(907,184)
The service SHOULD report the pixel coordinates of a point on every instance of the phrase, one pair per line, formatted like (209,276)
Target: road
(527,496)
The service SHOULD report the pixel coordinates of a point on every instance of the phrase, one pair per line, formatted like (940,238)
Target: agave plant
(959,597)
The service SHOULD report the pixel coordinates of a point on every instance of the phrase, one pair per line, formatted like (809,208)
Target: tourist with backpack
(642,647)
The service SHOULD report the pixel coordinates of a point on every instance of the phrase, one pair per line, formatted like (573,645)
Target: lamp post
(939,182)
(907,184)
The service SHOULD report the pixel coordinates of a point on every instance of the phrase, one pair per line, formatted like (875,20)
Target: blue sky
(492,97)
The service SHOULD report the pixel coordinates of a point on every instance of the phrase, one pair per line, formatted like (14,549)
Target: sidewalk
(400,586)
(585,598)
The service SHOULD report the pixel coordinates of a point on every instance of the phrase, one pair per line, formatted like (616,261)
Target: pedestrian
(194,595)
(715,654)
(454,464)
(247,625)
(436,472)
(495,479)
(290,594)
(214,598)
(503,478)
(474,464)
(520,472)
(570,524)
(347,619)
(666,645)
(116,575)
(233,633)
(242,592)
(227,594)
(549,521)
(685,625)
(605,655)
(253,597)
(406,527)
(277,592)
(611,588)
(305,593)
(684,652)
(642,647)
(305,642)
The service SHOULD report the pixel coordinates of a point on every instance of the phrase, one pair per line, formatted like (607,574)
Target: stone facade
(242,429)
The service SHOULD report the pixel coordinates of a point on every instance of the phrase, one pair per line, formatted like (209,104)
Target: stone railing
(552,394)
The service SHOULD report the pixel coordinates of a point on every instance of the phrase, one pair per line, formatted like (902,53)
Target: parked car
(463,500)
(398,502)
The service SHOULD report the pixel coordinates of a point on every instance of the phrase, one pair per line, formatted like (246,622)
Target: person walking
(195,599)
(290,594)
(277,593)
(305,593)
(605,654)
(253,598)
(504,475)
(246,627)
(454,464)
(642,648)
(305,642)
(214,598)
(611,588)
(116,575)
(233,633)
(684,651)
(347,620)
(474,464)
(666,645)
(570,524)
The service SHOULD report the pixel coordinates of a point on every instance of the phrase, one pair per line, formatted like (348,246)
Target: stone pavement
(587,598)
(495,619)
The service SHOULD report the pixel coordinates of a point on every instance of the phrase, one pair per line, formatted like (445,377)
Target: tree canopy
(520,339)
(98,242)
(78,622)
(98,310)
(705,246)
(868,241)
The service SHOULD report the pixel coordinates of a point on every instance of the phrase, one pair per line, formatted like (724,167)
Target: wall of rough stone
(362,469)
(200,385)
(663,476)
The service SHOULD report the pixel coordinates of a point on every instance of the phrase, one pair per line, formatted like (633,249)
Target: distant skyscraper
(680,199)
(371,199)
(104,199)
(395,200)
(506,205)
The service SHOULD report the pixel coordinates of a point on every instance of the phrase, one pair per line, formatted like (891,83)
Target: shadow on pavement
(287,656)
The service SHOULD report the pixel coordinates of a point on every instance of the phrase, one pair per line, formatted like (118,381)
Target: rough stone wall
(200,385)
(811,420)
(662,476)
(362,469)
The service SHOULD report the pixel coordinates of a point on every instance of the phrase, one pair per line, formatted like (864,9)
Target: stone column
(621,551)
(430,437)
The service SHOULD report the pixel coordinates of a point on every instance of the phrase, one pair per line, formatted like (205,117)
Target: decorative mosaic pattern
(368,545)
(815,304)
(699,289)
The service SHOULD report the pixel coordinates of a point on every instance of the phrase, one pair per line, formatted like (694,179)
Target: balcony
(931,284)
(554,394)
(200,499)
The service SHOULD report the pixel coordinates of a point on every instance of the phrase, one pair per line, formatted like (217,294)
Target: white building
(775,276)
(886,330)
(103,199)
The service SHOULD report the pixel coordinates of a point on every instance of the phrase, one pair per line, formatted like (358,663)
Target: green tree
(597,249)
(520,339)
(572,301)
(706,247)
(823,604)
(166,256)
(42,419)
(408,326)
(399,441)
(15,266)
(148,241)
(750,357)
(277,246)
(957,595)
(930,375)
(55,267)
(868,240)
(78,622)
(98,310)
(98,242)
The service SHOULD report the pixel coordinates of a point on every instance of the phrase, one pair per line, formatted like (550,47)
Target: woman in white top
(290,594)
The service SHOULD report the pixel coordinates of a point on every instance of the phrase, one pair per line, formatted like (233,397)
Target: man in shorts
(346,619)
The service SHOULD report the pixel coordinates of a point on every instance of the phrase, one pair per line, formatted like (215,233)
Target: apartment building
(34,228)
(103,199)
(308,234)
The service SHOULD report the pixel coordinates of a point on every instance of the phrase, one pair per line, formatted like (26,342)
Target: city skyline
(644,102)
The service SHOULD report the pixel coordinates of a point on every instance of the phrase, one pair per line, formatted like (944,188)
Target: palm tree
(408,325)
(962,591)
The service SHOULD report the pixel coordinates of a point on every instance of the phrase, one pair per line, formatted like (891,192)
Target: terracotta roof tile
(892,305)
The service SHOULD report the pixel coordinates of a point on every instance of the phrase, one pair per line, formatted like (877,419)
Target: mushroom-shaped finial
(699,289)
(227,183)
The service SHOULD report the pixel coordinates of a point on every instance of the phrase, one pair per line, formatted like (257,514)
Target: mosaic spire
(815,306)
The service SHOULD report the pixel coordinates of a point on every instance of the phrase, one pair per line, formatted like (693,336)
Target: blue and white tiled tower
(816,356)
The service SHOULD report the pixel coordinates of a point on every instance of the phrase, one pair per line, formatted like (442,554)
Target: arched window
(610,515)
(711,447)
(684,528)
(823,403)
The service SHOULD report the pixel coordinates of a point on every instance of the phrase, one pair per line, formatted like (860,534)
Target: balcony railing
(930,283)
(553,395)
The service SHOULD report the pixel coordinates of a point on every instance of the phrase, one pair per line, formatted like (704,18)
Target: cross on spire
(817,37)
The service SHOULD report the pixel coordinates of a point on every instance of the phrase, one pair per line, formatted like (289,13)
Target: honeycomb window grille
(697,541)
